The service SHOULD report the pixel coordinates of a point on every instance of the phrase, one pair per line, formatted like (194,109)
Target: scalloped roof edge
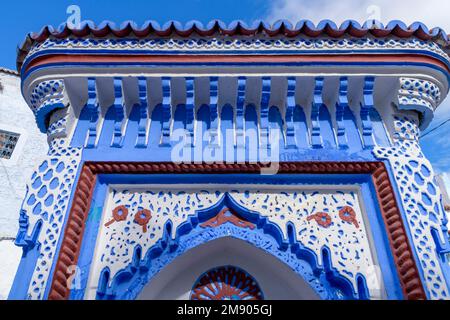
(280,27)
(8,71)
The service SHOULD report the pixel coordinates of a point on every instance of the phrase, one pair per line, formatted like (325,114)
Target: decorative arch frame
(402,253)
(245,225)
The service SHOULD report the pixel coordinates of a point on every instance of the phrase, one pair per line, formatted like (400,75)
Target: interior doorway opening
(275,279)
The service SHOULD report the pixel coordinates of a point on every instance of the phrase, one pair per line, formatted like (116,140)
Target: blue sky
(23,16)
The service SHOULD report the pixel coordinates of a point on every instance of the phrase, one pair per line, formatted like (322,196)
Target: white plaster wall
(9,262)
(15,116)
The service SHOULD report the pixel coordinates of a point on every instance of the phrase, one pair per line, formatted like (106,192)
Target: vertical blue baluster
(167,106)
(290,107)
(341,108)
(316,138)
(366,106)
(119,107)
(240,102)
(264,113)
(143,114)
(190,107)
(213,108)
(93,109)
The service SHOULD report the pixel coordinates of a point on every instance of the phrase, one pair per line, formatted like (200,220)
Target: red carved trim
(323,219)
(73,235)
(222,218)
(398,240)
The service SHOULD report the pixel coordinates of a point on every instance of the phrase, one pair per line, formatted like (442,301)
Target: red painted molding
(191,58)
(223,218)
(401,249)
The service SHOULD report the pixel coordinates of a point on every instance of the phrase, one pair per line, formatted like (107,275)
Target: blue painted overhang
(236,131)
(238,50)
(236,28)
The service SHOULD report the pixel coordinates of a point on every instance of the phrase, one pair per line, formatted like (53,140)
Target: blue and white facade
(21,146)
(283,156)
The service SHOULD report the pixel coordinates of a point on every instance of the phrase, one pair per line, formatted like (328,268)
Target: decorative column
(419,194)
(48,193)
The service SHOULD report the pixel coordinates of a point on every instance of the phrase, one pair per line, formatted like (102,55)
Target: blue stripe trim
(215,64)
(378,230)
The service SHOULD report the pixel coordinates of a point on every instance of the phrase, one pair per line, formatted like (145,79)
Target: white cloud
(434,13)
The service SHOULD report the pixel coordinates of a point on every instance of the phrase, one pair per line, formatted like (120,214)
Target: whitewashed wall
(14,174)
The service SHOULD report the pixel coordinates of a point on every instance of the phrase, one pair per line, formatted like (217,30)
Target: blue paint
(226,127)
(241,117)
(232,64)
(301,131)
(43,113)
(82,126)
(379,131)
(341,109)
(264,112)
(119,115)
(352,131)
(276,124)
(189,110)
(201,141)
(380,237)
(156,125)
(25,73)
(296,143)
(443,250)
(326,128)
(317,104)
(133,132)
(290,110)
(366,106)
(93,110)
(107,131)
(214,111)
(251,134)
(166,110)
(92,228)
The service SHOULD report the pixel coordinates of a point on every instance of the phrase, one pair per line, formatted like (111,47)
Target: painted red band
(168,59)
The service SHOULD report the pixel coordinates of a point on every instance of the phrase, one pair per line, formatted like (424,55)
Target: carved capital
(406,128)
(420,95)
(57,124)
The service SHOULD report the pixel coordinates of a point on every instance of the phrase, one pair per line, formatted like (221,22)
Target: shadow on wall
(21,149)
(9,262)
